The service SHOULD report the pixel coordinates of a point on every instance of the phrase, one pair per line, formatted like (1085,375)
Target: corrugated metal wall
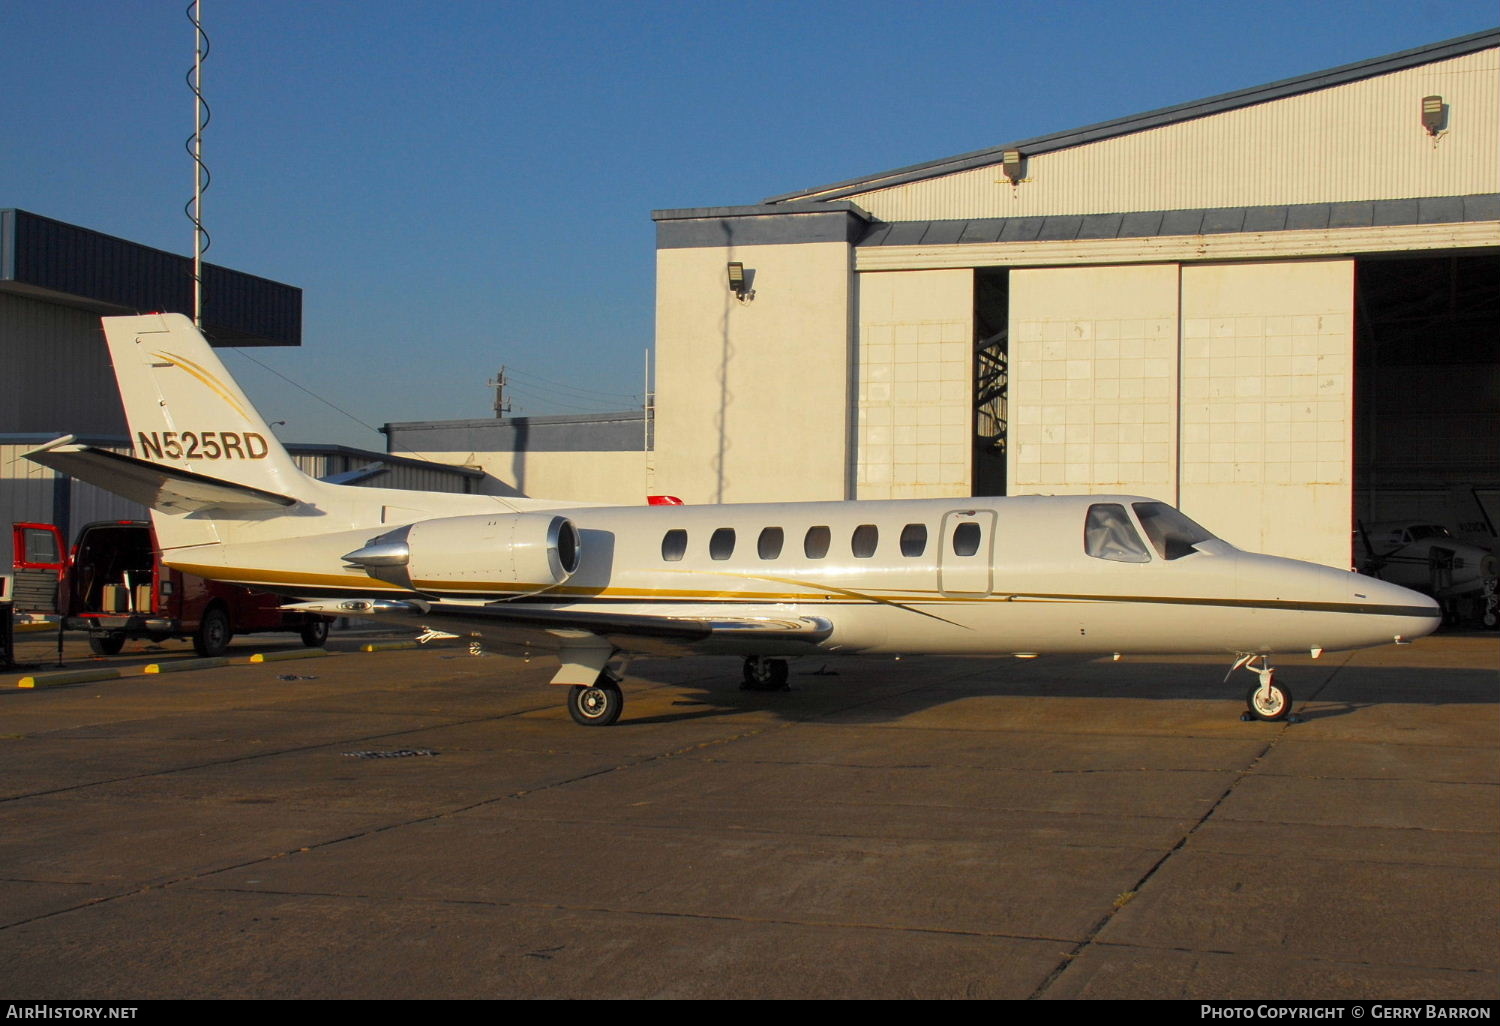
(59,378)
(238,308)
(1359,141)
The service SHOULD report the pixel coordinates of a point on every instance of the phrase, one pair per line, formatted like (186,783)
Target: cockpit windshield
(1172,534)
(1109,534)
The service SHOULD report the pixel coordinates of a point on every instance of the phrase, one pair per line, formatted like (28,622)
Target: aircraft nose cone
(1410,613)
(380,553)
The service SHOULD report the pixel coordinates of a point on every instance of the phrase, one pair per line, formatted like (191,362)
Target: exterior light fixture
(1434,114)
(1013,162)
(739,282)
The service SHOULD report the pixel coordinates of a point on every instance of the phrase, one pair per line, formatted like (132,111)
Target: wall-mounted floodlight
(1434,114)
(1013,163)
(739,282)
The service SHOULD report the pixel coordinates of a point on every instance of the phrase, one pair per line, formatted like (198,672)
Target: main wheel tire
(213,633)
(315,634)
(595,705)
(762,674)
(1272,703)
(106,644)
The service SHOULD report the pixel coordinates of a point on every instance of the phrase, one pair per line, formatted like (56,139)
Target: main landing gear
(764,674)
(1266,699)
(597,704)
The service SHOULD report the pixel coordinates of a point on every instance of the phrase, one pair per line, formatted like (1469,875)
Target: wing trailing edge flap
(631,628)
(165,489)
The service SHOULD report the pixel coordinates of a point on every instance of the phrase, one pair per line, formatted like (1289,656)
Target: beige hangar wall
(1093,380)
(753,396)
(1226,389)
(1268,404)
(914,370)
(608,478)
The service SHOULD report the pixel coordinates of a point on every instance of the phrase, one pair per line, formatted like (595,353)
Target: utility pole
(502,404)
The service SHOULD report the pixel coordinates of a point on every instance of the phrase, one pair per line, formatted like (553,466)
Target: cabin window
(769,544)
(866,538)
(815,543)
(1172,534)
(673,545)
(913,540)
(966,539)
(721,543)
(1109,534)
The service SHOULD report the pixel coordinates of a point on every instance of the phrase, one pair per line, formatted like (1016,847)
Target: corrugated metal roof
(1433,210)
(1155,118)
(74,266)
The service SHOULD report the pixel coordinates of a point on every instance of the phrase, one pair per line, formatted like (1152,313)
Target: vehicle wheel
(106,644)
(762,674)
(596,705)
(213,633)
(1272,702)
(315,634)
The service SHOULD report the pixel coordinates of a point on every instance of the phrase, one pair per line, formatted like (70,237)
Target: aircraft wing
(544,627)
(162,488)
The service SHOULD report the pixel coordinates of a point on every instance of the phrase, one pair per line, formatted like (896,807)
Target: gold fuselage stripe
(820,595)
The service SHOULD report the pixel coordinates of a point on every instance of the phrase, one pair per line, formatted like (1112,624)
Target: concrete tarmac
(418,824)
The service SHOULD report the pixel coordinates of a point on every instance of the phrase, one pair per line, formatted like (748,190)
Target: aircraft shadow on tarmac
(856,690)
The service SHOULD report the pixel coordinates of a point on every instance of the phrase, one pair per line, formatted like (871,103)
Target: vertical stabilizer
(185,410)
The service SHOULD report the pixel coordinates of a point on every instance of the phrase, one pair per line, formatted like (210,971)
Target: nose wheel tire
(595,705)
(1268,701)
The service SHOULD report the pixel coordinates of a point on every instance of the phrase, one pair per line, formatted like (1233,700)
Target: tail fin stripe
(208,379)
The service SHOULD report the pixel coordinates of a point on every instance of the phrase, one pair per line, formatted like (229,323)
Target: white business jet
(1100,574)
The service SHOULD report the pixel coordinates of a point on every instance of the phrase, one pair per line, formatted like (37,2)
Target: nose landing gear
(764,674)
(1266,699)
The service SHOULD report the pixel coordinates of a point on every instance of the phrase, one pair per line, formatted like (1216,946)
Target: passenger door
(965,558)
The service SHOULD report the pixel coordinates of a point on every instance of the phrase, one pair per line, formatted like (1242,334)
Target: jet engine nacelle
(529,552)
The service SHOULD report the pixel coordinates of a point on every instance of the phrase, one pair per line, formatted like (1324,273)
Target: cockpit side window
(1109,534)
(1172,534)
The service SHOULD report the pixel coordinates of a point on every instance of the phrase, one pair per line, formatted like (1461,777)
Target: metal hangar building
(1278,309)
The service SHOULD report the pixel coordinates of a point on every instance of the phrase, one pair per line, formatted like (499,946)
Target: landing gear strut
(597,704)
(764,674)
(1266,700)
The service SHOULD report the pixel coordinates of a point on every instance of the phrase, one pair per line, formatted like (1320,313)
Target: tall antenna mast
(201,115)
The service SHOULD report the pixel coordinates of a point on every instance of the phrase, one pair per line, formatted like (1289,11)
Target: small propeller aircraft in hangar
(1103,574)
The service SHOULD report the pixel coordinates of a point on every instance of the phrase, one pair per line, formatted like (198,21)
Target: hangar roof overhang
(1222,220)
(1152,119)
(62,263)
(1451,224)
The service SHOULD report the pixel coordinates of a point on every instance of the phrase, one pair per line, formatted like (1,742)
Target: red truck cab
(115,587)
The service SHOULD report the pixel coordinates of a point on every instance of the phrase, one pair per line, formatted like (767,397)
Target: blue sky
(466,184)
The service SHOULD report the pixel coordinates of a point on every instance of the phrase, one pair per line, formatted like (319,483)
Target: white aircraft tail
(186,411)
(208,465)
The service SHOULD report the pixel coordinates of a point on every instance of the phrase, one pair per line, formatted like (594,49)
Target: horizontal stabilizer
(166,489)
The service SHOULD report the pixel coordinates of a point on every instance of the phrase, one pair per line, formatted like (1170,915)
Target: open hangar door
(991,379)
(1427,419)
